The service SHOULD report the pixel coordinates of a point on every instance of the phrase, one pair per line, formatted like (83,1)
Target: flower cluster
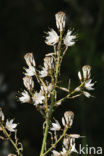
(45,99)
(68,143)
(85,78)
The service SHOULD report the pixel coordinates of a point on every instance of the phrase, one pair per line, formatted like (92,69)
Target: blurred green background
(23,24)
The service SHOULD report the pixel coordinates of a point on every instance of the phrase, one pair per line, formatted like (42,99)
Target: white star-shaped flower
(43,72)
(89,85)
(55,153)
(10,125)
(30,71)
(55,126)
(69,39)
(52,38)
(25,97)
(38,98)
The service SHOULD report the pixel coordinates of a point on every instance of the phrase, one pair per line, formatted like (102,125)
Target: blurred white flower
(64,151)
(43,72)
(1,115)
(55,153)
(52,38)
(60,20)
(69,39)
(88,95)
(55,126)
(38,98)
(73,148)
(29,58)
(31,71)
(25,98)
(10,125)
(28,82)
(86,71)
(88,85)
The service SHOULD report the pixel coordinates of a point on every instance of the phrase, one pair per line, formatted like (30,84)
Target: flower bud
(29,58)
(69,116)
(60,20)
(86,71)
(79,76)
(28,82)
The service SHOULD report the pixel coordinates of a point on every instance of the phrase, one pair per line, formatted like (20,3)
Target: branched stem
(8,136)
(48,119)
(67,96)
(54,145)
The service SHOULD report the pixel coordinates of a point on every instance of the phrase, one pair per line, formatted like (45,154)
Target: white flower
(60,20)
(55,153)
(69,39)
(55,126)
(72,142)
(25,98)
(29,58)
(28,82)
(38,98)
(52,38)
(73,149)
(88,95)
(43,72)
(64,151)
(30,71)
(86,71)
(10,125)
(89,85)
(1,115)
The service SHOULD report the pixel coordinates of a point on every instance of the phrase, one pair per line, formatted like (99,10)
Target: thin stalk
(69,150)
(47,124)
(63,134)
(52,99)
(8,136)
(67,96)
(58,59)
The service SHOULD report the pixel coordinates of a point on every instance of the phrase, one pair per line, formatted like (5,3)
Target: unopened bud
(29,58)
(86,71)
(69,116)
(60,20)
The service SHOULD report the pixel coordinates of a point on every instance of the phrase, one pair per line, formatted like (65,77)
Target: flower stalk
(10,139)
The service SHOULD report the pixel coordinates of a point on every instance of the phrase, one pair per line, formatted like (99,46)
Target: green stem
(47,124)
(67,96)
(67,154)
(58,59)
(52,99)
(53,146)
(13,143)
